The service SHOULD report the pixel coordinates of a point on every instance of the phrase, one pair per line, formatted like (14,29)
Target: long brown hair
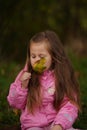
(66,82)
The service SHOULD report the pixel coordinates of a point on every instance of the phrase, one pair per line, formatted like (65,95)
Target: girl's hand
(25,79)
(57,127)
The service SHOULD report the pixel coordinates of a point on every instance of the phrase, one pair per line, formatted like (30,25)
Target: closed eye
(33,56)
(42,56)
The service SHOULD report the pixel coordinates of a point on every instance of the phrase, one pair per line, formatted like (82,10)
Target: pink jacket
(45,115)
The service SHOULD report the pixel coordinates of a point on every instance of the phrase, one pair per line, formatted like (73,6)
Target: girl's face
(39,50)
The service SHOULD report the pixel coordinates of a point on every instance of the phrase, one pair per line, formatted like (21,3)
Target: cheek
(31,61)
(48,63)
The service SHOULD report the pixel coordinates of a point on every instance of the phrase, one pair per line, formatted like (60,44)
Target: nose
(37,59)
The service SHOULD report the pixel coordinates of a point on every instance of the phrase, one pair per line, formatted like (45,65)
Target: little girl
(48,99)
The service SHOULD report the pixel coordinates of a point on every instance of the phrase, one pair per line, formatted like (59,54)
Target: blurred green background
(19,21)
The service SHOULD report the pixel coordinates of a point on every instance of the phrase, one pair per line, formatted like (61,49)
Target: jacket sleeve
(17,95)
(66,115)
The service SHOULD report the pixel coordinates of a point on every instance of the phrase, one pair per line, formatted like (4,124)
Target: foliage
(21,19)
(8,72)
(80,65)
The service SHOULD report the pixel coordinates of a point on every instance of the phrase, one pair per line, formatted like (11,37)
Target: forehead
(38,47)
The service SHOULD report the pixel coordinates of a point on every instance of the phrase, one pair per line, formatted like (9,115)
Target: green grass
(8,72)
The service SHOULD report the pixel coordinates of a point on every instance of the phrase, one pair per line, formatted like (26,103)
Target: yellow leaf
(40,65)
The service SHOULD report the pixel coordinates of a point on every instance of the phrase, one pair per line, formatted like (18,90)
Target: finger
(26,75)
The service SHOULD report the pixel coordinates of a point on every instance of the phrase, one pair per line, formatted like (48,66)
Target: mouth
(39,66)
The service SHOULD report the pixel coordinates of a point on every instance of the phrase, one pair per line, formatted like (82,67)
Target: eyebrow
(39,54)
(32,53)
